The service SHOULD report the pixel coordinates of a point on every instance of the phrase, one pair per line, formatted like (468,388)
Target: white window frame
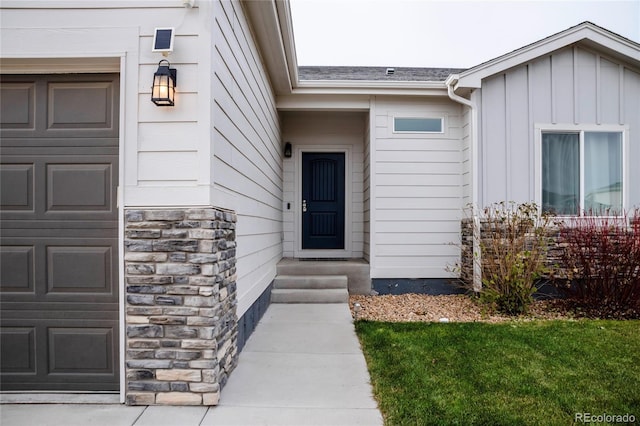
(581,129)
(418,117)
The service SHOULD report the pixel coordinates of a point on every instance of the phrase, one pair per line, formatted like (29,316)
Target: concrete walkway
(302,366)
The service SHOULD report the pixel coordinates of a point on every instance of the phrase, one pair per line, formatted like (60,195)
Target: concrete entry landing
(356,271)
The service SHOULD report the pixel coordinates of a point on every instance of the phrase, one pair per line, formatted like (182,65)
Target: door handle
(304,206)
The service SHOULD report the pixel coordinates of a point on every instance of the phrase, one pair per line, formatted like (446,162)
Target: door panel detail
(323,193)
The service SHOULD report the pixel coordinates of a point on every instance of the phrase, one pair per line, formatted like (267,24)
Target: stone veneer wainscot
(181,323)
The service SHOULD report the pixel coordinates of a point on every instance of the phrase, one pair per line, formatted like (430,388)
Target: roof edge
(273,34)
(472,77)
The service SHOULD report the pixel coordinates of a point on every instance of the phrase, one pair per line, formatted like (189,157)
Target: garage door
(59,232)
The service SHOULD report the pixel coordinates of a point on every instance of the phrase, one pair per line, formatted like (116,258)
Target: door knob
(304,206)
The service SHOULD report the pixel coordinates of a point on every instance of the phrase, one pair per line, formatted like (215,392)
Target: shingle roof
(332,73)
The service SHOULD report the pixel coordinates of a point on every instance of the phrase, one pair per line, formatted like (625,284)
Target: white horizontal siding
(247,156)
(418,191)
(167,137)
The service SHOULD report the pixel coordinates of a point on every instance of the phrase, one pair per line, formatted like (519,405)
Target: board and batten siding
(573,86)
(417,193)
(322,131)
(247,161)
(166,157)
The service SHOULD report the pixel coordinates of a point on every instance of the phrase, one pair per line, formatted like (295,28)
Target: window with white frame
(582,172)
(417,125)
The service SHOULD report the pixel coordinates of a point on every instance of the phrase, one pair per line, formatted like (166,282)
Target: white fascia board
(372,84)
(472,78)
(286,30)
(272,40)
(314,102)
(347,87)
(92,4)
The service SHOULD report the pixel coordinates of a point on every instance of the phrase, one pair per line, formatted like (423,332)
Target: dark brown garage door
(59,232)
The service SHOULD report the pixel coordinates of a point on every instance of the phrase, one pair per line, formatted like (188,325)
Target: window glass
(588,160)
(603,172)
(561,173)
(417,125)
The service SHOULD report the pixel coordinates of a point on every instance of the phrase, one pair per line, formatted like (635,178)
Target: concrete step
(356,270)
(310,281)
(330,295)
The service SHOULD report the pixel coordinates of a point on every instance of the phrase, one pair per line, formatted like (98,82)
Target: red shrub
(602,260)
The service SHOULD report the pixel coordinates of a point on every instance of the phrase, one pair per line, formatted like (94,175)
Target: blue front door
(323,200)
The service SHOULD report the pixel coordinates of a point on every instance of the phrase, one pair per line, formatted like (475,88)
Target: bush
(602,260)
(514,245)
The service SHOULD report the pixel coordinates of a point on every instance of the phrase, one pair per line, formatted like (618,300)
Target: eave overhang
(273,31)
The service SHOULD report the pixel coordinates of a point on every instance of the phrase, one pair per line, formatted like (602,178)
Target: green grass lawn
(516,373)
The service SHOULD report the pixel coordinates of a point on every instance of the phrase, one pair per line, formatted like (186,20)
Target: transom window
(417,125)
(582,173)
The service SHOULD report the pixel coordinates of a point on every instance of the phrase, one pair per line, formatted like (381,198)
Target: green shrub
(513,249)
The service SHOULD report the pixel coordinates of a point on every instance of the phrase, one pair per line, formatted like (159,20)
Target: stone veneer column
(181,323)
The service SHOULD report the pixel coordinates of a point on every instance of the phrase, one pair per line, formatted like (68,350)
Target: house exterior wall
(224,102)
(247,160)
(171,156)
(572,87)
(166,151)
(321,131)
(417,194)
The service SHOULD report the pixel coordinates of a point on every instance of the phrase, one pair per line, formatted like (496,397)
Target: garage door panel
(17,105)
(16,187)
(60,146)
(33,311)
(72,271)
(74,187)
(61,354)
(70,187)
(77,269)
(17,350)
(74,228)
(86,105)
(96,354)
(18,269)
(59,238)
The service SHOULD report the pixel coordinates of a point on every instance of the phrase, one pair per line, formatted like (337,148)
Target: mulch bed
(455,308)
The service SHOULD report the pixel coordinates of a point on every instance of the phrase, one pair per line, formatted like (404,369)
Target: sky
(437,33)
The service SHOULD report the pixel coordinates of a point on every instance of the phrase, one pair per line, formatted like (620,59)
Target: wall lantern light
(287,150)
(163,90)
